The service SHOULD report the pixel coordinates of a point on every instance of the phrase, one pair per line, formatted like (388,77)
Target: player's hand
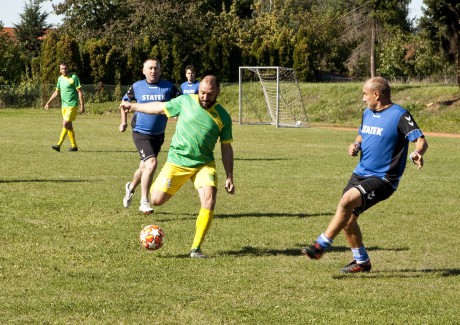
(46,107)
(229,186)
(354,149)
(123,127)
(125,106)
(82,109)
(417,159)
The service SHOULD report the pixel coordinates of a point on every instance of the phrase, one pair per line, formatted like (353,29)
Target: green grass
(69,251)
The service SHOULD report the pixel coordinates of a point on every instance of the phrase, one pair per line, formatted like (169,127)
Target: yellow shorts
(172,177)
(69,113)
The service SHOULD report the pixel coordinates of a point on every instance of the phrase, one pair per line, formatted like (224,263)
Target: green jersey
(67,87)
(197,131)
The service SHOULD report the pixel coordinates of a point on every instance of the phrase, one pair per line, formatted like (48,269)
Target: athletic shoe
(313,251)
(128,196)
(57,148)
(354,267)
(73,149)
(145,207)
(197,253)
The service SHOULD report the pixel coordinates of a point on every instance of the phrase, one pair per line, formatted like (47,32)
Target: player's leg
(206,184)
(147,168)
(170,179)
(71,116)
(64,131)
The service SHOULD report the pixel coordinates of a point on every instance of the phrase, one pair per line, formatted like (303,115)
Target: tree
(30,31)
(10,62)
(442,21)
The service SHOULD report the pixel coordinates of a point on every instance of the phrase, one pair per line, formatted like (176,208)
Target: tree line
(106,41)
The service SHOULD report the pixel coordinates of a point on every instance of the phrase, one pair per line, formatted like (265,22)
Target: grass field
(69,251)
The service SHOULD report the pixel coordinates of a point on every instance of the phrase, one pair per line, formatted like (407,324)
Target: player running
(201,124)
(383,139)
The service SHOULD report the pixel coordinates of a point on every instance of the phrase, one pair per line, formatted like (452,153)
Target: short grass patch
(70,252)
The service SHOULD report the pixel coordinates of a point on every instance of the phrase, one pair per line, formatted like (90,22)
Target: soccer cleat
(57,148)
(313,251)
(354,267)
(128,196)
(197,253)
(73,149)
(145,207)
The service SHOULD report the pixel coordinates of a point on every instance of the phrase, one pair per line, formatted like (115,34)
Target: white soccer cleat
(128,196)
(145,207)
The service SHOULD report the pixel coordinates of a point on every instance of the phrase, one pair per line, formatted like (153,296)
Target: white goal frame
(271,95)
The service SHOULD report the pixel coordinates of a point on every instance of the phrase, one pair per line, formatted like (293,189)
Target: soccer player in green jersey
(201,124)
(68,85)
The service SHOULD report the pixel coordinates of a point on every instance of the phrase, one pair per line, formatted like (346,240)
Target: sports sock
(62,137)
(360,255)
(324,242)
(203,222)
(73,143)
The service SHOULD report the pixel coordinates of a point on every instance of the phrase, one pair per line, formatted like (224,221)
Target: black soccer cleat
(313,251)
(354,267)
(56,147)
(71,149)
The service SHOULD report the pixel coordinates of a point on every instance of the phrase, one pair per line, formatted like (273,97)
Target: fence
(20,96)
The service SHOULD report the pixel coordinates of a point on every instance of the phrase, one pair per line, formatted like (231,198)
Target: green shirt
(67,87)
(197,131)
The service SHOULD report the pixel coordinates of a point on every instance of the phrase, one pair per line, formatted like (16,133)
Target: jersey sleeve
(173,107)
(409,127)
(76,81)
(129,96)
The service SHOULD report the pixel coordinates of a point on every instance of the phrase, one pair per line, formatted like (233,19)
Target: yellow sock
(62,137)
(203,222)
(73,143)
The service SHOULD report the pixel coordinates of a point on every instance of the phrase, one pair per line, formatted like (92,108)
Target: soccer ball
(152,237)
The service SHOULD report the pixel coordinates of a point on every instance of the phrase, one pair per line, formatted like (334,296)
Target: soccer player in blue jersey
(148,130)
(202,123)
(191,85)
(383,140)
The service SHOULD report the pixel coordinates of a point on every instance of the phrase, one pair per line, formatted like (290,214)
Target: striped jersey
(197,131)
(67,86)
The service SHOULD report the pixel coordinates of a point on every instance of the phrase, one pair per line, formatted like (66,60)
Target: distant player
(383,140)
(191,85)
(68,85)
(148,130)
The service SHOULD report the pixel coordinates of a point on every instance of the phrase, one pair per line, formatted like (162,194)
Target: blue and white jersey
(143,92)
(190,88)
(386,135)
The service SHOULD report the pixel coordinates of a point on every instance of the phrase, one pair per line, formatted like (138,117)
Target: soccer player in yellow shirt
(68,85)
(201,124)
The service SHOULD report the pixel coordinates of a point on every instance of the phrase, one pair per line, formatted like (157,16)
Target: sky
(11,9)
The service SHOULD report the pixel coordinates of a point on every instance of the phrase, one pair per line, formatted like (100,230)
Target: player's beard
(205,104)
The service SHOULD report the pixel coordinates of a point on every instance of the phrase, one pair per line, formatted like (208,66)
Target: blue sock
(360,255)
(324,242)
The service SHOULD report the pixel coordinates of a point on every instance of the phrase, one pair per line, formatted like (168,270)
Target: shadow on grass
(262,159)
(403,273)
(45,180)
(244,215)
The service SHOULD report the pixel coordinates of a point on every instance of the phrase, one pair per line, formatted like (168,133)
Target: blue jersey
(190,88)
(386,135)
(143,92)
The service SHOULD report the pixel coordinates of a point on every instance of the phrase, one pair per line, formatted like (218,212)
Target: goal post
(270,95)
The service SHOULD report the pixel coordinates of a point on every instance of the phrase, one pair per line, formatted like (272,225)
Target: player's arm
(53,96)
(421,146)
(81,100)
(227,160)
(156,108)
(354,148)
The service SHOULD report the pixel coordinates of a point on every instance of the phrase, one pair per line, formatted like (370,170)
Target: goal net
(270,95)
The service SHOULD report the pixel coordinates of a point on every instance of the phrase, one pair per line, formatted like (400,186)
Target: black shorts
(147,145)
(373,190)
